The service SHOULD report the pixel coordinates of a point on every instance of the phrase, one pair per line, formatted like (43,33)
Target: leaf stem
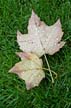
(49,68)
(47,62)
(51,71)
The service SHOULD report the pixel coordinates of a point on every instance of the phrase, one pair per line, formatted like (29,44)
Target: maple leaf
(41,38)
(29,69)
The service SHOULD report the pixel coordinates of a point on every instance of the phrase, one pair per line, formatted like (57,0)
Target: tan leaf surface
(29,69)
(41,38)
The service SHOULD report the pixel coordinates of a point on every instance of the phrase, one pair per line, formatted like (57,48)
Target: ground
(14,15)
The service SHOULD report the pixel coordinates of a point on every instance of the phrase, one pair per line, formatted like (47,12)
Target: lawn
(14,15)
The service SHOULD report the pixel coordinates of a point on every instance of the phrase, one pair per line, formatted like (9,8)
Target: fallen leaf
(29,69)
(41,38)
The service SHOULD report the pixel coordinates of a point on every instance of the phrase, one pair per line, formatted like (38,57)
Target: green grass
(14,15)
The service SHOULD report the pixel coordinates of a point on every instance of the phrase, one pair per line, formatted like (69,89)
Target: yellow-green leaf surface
(29,69)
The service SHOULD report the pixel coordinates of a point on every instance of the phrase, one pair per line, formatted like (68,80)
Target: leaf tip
(18,32)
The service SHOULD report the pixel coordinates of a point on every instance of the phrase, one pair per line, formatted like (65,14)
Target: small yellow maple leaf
(29,69)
